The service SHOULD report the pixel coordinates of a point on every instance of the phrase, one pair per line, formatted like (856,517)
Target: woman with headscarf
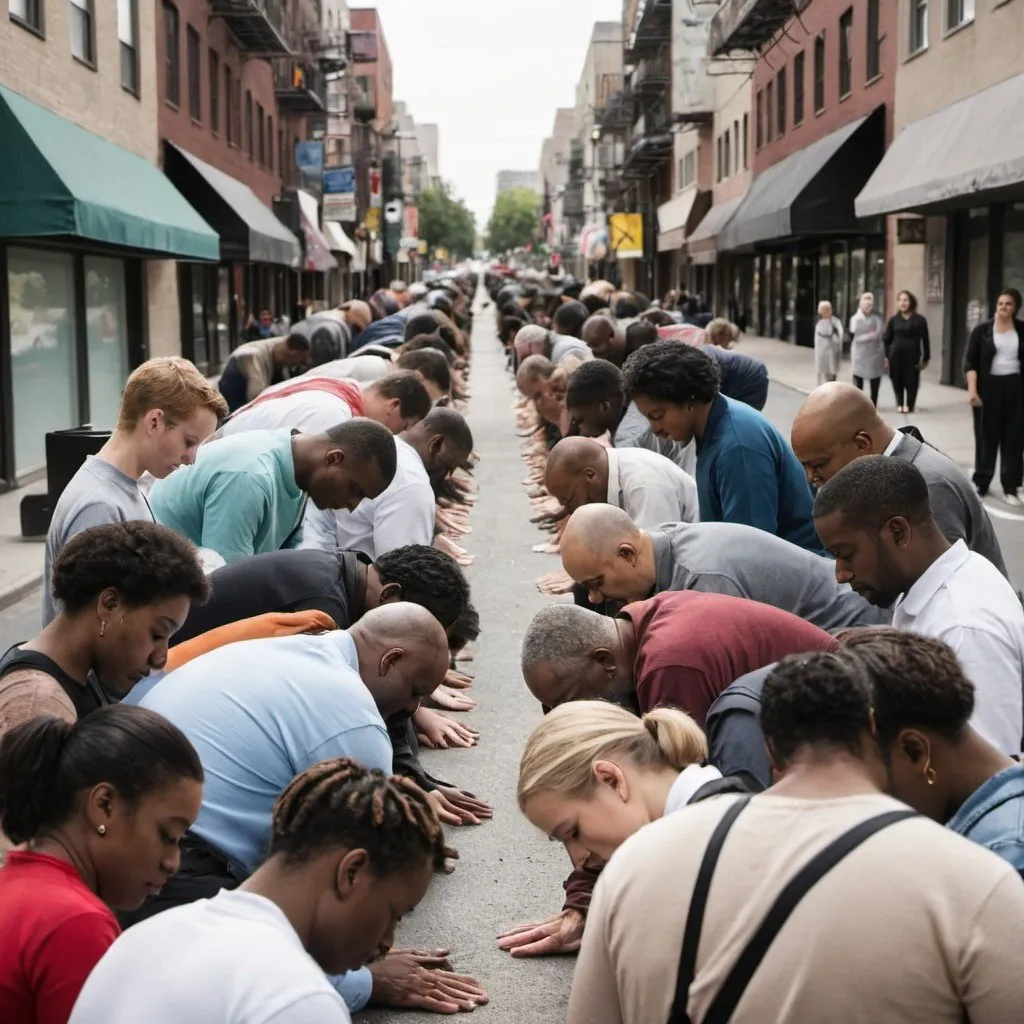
(867,352)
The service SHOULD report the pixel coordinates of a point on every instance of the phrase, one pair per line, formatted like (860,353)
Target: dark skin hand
(560,933)
(416,979)
(457,807)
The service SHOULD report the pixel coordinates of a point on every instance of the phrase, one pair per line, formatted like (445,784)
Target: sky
(490,74)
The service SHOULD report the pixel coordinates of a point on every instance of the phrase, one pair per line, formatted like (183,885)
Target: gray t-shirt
(634,431)
(729,558)
(563,346)
(98,493)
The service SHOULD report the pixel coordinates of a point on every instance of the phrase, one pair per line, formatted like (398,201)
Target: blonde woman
(722,332)
(591,775)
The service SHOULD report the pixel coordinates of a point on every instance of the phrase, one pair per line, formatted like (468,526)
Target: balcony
(649,146)
(613,112)
(749,24)
(652,28)
(653,75)
(300,87)
(258,26)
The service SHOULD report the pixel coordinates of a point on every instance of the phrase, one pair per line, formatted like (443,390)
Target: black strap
(86,698)
(695,917)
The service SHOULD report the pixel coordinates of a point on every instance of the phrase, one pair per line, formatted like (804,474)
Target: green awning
(59,180)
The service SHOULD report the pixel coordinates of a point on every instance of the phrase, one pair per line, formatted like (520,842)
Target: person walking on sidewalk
(907,350)
(867,352)
(828,343)
(992,366)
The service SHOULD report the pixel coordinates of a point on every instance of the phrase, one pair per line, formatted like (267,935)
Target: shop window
(106,335)
(128,45)
(874,48)
(1013,248)
(875,283)
(780,98)
(819,73)
(917,37)
(83,31)
(172,54)
(976,301)
(44,350)
(798,88)
(195,94)
(841,287)
(846,52)
(28,14)
(958,12)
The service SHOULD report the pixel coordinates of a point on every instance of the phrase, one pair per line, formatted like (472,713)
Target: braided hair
(341,803)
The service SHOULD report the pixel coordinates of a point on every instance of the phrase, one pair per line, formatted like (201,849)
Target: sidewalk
(943,415)
(21,560)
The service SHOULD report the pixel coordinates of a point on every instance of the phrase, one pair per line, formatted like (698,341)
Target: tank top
(85,699)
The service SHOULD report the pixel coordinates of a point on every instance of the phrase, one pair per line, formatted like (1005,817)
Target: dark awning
(249,231)
(702,241)
(966,153)
(812,191)
(58,180)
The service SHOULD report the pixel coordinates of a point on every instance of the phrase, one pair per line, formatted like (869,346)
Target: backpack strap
(729,995)
(695,916)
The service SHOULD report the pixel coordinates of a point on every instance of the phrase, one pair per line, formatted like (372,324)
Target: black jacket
(981,349)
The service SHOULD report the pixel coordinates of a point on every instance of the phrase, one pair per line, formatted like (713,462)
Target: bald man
(838,423)
(606,552)
(536,340)
(606,338)
(539,380)
(649,488)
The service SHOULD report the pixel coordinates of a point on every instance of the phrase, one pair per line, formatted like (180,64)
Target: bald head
(358,314)
(837,424)
(606,338)
(577,472)
(403,655)
(531,340)
(604,550)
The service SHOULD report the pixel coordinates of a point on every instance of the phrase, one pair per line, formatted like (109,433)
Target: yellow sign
(423,248)
(441,254)
(626,233)
(373,219)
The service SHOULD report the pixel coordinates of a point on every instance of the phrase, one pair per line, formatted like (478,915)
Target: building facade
(554,172)
(507,180)
(953,179)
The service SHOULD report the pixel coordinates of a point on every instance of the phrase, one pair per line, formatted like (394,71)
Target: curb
(21,589)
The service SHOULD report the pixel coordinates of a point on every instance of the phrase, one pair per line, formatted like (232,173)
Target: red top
(53,931)
(691,646)
(347,390)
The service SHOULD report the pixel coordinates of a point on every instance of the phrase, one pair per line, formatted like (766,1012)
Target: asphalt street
(508,872)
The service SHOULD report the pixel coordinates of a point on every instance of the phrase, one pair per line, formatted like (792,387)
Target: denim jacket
(993,816)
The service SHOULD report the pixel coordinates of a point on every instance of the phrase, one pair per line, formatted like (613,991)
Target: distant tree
(514,219)
(446,222)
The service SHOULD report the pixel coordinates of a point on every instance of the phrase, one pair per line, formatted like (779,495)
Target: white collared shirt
(651,489)
(892,445)
(963,600)
(691,779)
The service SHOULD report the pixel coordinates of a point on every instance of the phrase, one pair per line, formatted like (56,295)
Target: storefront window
(1013,248)
(44,346)
(106,331)
(824,280)
(875,279)
(223,325)
(200,349)
(756,295)
(840,288)
(976,301)
(858,279)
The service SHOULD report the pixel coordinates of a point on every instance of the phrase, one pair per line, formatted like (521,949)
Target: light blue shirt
(259,712)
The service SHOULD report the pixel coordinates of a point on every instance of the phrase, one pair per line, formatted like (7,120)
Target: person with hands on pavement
(351,851)
(606,338)
(590,776)
(98,807)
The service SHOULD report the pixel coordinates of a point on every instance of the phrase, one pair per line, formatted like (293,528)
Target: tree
(446,222)
(514,219)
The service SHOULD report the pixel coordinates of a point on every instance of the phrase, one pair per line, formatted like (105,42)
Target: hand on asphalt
(437,731)
(561,933)
(414,980)
(554,583)
(458,680)
(459,807)
(450,700)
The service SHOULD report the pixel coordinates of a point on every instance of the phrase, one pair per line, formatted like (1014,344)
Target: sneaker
(1012,499)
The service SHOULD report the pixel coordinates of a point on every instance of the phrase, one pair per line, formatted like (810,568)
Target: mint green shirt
(240,498)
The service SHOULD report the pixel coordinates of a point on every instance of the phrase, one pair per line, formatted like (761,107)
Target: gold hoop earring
(103,626)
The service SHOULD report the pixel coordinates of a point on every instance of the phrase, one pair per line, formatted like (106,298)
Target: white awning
(318,249)
(339,240)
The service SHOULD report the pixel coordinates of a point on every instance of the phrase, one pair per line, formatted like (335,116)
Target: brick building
(89,227)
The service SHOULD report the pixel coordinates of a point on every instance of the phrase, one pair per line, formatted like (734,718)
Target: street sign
(339,198)
(627,235)
(393,211)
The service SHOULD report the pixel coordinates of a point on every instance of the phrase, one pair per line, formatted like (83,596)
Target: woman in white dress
(867,350)
(828,343)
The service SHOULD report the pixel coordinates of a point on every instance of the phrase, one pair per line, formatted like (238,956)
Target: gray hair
(563,635)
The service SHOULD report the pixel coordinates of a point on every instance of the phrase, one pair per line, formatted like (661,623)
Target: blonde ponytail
(561,751)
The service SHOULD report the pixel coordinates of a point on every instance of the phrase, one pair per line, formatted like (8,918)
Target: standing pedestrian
(867,352)
(907,350)
(992,366)
(828,343)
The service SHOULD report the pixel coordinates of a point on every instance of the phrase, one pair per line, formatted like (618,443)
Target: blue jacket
(388,331)
(747,473)
(742,377)
(993,816)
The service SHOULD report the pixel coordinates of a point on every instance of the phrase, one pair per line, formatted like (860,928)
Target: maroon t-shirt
(691,646)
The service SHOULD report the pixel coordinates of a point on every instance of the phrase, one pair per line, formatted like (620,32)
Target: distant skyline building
(520,179)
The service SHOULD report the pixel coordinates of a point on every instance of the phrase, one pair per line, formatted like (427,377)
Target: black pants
(233,385)
(999,430)
(905,376)
(858,382)
(204,871)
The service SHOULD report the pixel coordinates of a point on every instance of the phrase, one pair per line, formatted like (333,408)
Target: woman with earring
(99,807)
(936,762)
(907,350)
(124,589)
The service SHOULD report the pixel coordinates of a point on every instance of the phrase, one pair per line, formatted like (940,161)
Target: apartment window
(28,13)
(958,12)
(846,52)
(736,145)
(718,163)
(780,101)
(261,145)
(798,88)
(270,143)
(192,52)
(819,74)
(127,34)
(238,112)
(229,108)
(172,54)
(769,112)
(249,139)
(214,61)
(746,141)
(83,40)
(726,154)
(874,55)
(918,25)
(282,163)
(687,170)
(759,141)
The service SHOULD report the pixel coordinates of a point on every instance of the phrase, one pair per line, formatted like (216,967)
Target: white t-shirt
(312,412)
(1006,361)
(233,959)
